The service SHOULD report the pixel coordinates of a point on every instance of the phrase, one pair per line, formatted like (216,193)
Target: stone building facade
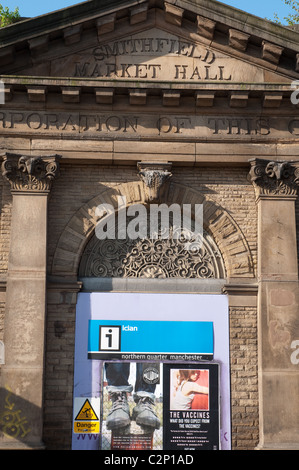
(177,102)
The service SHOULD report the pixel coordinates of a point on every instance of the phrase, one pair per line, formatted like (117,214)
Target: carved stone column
(276,185)
(154,176)
(22,375)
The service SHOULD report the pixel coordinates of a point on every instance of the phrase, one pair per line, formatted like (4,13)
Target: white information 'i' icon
(109,338)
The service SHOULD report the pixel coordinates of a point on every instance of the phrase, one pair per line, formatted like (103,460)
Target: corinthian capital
(30,173)
(154,176)
(270,178)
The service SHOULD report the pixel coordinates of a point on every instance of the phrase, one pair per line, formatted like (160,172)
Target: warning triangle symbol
(86,413)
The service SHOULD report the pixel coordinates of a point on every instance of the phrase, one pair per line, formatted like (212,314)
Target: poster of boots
(132,406)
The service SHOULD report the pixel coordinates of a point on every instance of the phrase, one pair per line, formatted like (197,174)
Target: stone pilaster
(276,185)
(22,374)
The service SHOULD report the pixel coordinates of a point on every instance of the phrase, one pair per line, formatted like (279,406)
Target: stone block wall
(244,377)
(59,370)
(5,220)
(228,187)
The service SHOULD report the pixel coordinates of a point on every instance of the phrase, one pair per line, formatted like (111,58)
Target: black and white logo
(151,375)
(109,338)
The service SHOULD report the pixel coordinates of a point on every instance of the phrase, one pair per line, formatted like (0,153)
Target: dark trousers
(117,374)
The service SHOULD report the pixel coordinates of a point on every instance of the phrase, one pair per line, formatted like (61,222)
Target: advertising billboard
(151,372)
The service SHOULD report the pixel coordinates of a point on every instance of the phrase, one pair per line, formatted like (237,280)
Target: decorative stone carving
(104,95)
(173,14)
(274,178)
(151,258)
(72,34)
(154,176)
(239,99)
(37,93)
(272,100)
(204,98)
(138,14)
(7,55)
(171,98)
(71,94)
(205,27)
(27,173)
(38,45)
(106,24)
(271,52)
(238,40)
(138,97)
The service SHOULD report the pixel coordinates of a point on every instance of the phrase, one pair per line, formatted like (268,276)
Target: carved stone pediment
(153,41)
(274,178)
(153,54)
(30,173)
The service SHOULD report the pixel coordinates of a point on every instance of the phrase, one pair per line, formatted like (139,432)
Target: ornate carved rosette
(152,258)
(27,173)
(274,178)
(154,176)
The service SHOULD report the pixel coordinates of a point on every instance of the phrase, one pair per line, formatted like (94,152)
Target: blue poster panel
(133,354)
(150,340)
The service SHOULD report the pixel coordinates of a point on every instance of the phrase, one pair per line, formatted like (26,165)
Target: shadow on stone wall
(19,421)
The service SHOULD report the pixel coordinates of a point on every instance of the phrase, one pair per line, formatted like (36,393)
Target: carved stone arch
(151,257)
(226,234)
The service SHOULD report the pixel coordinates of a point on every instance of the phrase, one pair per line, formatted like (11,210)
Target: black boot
(144,413)
(119,416)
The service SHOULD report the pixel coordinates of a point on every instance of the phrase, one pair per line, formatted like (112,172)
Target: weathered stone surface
(23,371)
(156,55)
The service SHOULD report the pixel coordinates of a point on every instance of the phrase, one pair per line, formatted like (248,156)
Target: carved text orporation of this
(137,124)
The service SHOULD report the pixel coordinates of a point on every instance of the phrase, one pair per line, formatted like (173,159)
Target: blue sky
(262,8)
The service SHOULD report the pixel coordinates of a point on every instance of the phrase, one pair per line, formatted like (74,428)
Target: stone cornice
(243,21)
(240,289)
(62,284)
(274,179)
(87,11)
(106,91)
(33,174)
(26,81)
(64,18)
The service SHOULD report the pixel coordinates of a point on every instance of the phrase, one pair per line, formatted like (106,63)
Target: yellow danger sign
(86,413)
(88,427)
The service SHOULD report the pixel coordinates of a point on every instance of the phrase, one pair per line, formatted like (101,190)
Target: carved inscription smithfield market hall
(155,55)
